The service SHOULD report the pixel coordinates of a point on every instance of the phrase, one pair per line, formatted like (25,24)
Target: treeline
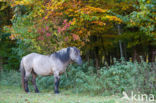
(102,29)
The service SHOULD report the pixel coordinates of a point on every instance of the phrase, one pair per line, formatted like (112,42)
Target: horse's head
(75,55)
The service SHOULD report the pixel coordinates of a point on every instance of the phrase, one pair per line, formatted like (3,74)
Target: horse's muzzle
(79,61)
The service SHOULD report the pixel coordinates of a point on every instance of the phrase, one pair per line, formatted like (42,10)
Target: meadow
(13,94)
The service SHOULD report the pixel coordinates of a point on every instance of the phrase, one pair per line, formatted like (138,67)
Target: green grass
(14,94)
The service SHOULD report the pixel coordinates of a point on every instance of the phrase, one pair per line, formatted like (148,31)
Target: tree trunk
(134,55)
(153,55)
(1,62)
(96,58)
(120,43)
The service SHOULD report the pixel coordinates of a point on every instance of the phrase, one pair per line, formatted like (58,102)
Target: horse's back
(28,59)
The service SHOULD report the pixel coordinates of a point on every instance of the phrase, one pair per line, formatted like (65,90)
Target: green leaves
(142,17)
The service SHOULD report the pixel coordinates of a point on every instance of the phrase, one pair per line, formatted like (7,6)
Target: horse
(46,65)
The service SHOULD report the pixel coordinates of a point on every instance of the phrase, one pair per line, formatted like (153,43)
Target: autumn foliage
(49,25)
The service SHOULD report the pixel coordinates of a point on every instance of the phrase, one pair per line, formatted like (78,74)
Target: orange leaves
(53,5)
(14,3)
(82,43)
(100,23)
(13,36)
(29,30)
(67,22)
(73,21)
(89,9)
(112,18)
(75,37)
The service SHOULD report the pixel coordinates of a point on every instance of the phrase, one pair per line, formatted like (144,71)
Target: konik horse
(44,65)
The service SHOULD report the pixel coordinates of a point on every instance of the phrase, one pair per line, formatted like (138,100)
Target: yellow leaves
(13,36)
(80,32)
(21,2)
(124,6)
(3,6)
(46,17)
(113,18)
(38,12)
(89,9)
(53,4)
(29,30)
(70,10)
(41,11)
(73,22)
(148,1)
(132,22)
(82,43)
(100,23)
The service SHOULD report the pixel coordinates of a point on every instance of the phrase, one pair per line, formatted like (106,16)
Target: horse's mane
(63,54)
(76,50)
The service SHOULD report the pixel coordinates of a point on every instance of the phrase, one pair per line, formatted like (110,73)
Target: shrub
(9,57)
(122,76)
(10,77)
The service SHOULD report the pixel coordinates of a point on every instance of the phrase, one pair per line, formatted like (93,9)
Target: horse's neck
(68,62)
(52,57)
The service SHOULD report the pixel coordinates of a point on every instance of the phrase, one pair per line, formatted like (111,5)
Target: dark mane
(63,55)
(76,50)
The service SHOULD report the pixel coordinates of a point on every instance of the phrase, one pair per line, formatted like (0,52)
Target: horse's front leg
(56,81)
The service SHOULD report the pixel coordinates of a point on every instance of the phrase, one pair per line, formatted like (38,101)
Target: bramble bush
(121,76)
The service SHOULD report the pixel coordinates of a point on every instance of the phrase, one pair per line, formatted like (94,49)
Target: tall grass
(122,76)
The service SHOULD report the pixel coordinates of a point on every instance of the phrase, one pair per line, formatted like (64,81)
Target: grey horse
(45,65)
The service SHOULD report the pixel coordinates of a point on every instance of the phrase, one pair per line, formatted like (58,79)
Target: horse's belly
(42,66)
(43,70)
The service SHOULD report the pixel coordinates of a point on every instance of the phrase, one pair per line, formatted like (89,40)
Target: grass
(12,94)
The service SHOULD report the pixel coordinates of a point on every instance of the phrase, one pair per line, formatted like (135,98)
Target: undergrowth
(122,76)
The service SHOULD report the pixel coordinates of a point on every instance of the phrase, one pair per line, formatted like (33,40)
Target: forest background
(117,40)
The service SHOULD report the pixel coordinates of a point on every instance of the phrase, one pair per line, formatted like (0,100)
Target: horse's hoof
(36,91)
(27,90)
(57,92)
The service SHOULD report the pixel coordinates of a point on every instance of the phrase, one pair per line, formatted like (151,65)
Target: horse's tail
(22,73)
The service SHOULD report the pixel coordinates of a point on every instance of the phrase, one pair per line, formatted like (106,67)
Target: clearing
(14,94)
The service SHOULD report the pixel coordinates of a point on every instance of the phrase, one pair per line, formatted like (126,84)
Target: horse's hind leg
(26,82)
(34,81)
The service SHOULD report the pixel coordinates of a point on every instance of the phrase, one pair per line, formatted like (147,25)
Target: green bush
(122,76)
(9,57)
(10,78)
